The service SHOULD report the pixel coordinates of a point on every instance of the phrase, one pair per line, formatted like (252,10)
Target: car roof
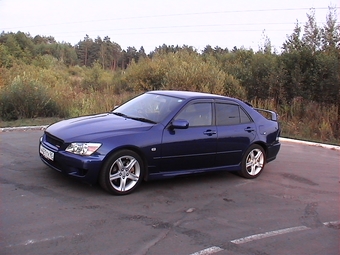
(188,94)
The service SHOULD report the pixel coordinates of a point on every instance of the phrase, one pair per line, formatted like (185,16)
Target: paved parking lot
(292,208)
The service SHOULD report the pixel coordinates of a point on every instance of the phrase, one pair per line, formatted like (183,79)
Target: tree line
(306,68)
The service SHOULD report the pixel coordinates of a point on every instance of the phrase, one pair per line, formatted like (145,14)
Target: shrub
(25,98)
(148,74)
(96,78)
(182,70)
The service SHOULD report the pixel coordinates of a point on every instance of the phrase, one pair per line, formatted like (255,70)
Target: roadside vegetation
(42,80)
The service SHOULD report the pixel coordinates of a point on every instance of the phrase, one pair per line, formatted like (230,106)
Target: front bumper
(84,168)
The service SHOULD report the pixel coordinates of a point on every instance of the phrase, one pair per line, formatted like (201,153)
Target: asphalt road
(292,208)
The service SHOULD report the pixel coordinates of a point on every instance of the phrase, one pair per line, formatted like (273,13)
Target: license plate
(46,153)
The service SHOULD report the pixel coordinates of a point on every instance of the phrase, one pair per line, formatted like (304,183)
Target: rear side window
(230,114)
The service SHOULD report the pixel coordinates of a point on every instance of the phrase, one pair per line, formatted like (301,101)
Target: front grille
(54,140)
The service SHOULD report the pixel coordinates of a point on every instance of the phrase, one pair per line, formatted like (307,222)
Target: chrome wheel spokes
(124,173)
(254,162)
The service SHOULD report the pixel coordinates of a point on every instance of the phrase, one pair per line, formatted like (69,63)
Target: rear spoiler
(268,114)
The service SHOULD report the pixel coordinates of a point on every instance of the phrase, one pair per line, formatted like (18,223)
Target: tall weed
(304,119)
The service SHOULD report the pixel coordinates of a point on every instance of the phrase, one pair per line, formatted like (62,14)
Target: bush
(147,75)
(96,78)
(25,98)
(182,70)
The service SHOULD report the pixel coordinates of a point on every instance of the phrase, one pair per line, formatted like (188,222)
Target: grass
(289,129)
(28,122)
(305,120)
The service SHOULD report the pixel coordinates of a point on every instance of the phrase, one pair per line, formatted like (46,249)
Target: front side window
(197,114)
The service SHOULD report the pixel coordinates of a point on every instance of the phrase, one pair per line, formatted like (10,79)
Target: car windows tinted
(244,118)
(230,114)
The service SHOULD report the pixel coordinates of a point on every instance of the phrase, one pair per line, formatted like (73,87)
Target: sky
(152,23)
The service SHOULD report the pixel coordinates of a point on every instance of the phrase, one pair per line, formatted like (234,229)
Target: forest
(40,77)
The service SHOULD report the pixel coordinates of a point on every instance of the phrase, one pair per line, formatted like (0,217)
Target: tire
(122,173)
(253,162)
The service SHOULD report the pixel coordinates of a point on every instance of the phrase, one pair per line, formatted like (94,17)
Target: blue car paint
(166,152)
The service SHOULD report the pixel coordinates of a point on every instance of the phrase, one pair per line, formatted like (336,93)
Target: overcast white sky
(151,23)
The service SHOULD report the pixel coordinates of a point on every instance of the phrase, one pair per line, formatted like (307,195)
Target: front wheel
(253,162)
(122,173)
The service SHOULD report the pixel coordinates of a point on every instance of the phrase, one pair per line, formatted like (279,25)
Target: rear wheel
(122,173)
(253,162)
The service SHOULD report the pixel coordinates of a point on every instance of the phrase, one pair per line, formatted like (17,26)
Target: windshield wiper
(143,119)
(134,118)
(120,114)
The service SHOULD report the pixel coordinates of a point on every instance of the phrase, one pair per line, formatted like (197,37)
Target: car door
(235,131)
(192,148)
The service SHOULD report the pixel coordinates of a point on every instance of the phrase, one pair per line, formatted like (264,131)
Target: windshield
(148,107)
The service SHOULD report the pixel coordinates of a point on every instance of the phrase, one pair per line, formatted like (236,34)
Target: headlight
(86,149)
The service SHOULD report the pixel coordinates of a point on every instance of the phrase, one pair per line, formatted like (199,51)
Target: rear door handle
(209,132)
(249,129)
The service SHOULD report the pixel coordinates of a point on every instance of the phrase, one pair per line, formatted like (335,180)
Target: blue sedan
(162,134)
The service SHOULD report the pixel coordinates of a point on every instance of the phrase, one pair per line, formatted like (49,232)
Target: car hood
(94,127)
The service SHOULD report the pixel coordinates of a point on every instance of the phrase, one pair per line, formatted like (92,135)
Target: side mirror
(179,124)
